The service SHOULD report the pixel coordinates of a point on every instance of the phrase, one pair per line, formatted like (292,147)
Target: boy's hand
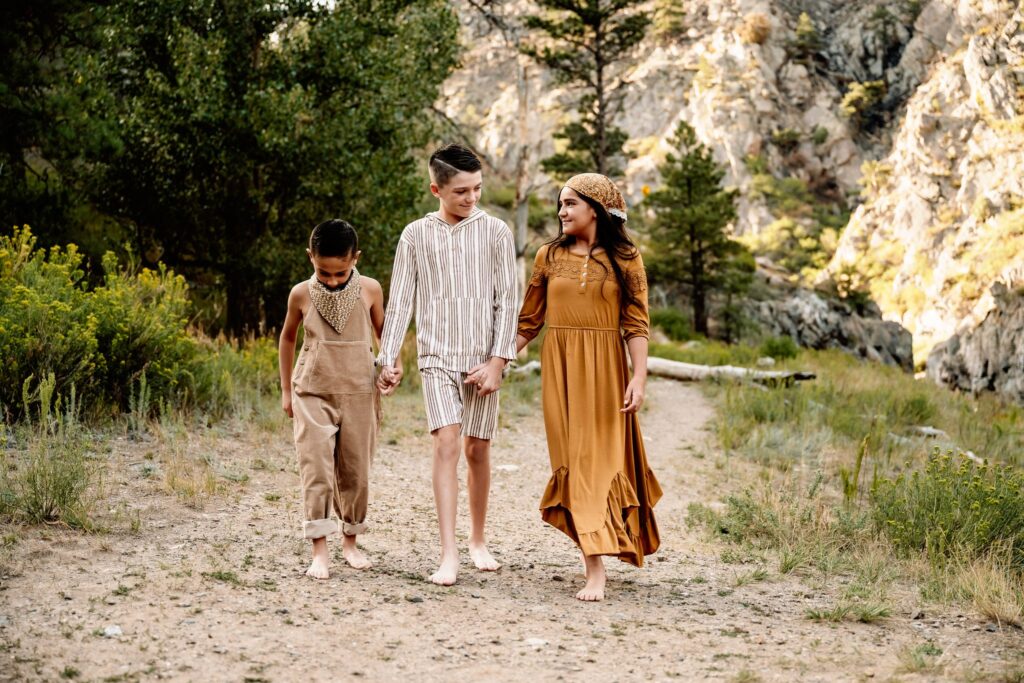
(390,378)
(486,376)
(286,403)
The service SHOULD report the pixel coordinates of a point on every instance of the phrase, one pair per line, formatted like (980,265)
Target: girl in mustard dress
(589,287)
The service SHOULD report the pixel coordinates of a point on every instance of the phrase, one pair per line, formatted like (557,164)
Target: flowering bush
(954,505)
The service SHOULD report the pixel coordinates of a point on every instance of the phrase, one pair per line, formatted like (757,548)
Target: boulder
(818,321)
(989,357)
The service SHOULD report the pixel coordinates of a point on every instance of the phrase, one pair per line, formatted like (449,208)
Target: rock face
(942,218)
(819,322)
(991,356)
(934,180)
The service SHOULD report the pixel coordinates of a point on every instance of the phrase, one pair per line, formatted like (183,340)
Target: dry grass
(192,479)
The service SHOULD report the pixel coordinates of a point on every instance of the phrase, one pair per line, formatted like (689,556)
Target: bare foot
(448,572)
(593,591)
(483,559)
(319,568)
(353,555)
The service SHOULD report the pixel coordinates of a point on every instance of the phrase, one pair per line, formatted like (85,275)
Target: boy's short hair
(334,237)
(449,161)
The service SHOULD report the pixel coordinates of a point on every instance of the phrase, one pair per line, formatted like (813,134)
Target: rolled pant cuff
(319,528)
(353,529)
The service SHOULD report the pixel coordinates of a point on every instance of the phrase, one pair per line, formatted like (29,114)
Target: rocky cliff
(943,216)
(888,132)
(989,357)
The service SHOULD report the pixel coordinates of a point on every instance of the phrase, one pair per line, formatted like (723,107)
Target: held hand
(390,377)
(286,403)
(486,376)
(634,397)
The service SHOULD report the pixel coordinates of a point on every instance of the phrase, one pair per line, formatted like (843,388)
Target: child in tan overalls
(333,397)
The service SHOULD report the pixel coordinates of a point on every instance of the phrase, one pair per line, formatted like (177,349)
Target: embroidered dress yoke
(601,492)
(461,281)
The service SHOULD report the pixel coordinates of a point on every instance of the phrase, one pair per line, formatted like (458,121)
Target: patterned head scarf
(335,306)
(600,189)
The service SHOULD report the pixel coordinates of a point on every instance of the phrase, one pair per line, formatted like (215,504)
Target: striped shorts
(449,400)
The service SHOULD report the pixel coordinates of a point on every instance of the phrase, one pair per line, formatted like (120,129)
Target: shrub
(141,327)
(779,348)
(755,29)
(953,505)
(861,99)
(52,480)
(104,341)
(45,322)
(786,139)
(673,322)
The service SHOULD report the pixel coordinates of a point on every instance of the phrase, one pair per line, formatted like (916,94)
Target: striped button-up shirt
(461,279)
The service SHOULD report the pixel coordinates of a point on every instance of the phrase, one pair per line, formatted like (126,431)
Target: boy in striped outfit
(456,268)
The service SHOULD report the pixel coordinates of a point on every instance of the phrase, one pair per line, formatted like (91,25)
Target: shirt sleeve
(505,297)
(635,319)
(531,316)
(401,300)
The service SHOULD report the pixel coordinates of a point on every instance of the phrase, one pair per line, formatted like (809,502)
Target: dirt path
(219,594)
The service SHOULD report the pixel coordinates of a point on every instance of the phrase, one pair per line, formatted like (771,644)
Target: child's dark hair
(334,238)
(450,160)
(613,238)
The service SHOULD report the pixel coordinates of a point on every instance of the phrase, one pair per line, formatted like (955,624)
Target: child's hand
(286,403)
(486,376)
(634,397)
(390,377)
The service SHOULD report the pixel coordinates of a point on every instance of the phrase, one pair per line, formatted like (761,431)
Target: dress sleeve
(635,319)
(531,315)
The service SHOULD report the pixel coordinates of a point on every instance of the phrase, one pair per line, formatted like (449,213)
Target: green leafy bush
(779,348)
(673,323)
(953,505)
(46,324)
(102,342)
(142,323)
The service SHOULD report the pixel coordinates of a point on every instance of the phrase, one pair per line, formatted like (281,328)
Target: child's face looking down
(460,194)
(333,271)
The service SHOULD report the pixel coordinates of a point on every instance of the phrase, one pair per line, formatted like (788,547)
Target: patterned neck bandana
(335,306)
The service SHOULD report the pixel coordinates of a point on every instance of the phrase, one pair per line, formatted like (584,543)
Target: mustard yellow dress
(601,492)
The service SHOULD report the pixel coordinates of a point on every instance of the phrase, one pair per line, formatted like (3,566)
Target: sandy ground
(218,594)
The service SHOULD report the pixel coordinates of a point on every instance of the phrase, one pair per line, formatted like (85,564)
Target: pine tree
(691,246)
(589,41)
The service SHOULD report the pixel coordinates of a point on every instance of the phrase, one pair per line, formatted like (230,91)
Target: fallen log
(690,372)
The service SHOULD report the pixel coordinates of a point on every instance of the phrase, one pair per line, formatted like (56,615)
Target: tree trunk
(689,372)
(601,158)
(522,205)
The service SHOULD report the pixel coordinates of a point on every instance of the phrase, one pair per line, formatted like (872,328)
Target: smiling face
(459,195)
(333,271)
(577,217)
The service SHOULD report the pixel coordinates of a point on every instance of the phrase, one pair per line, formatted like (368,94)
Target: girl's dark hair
(334,238)
(612,237)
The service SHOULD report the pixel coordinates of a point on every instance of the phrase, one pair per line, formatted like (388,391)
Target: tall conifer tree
(689,233)
(588,43)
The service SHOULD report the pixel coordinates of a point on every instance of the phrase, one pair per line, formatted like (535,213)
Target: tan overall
(335,403)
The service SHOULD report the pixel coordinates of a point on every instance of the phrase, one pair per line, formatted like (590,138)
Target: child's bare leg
(593,591)
(446,498)
(319,568)
(478,456)
(352,554)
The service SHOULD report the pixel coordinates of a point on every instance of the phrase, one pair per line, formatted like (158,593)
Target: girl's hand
(634,397)
(286,403)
